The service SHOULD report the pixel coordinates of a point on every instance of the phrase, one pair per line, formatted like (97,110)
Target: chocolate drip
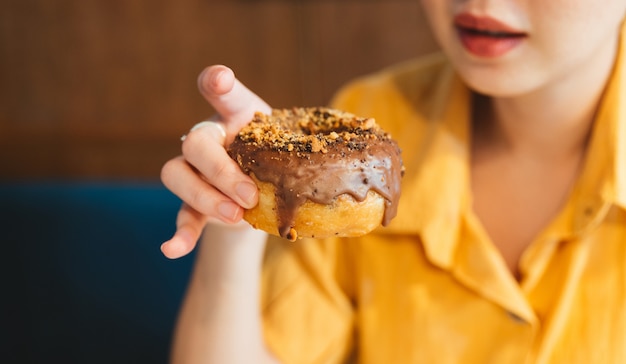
(352,166)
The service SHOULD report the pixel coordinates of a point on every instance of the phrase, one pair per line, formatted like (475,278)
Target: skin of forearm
(220,320)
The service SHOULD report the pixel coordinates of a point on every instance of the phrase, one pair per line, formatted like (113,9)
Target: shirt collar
(435,153)
(610,132)
(435,145)
(603,179)
(437,191)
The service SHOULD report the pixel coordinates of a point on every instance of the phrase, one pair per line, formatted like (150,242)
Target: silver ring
(205,123)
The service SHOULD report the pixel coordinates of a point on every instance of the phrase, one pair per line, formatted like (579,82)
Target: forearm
(220,319)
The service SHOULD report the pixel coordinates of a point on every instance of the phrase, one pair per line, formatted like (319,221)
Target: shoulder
(419,72)
(404,91)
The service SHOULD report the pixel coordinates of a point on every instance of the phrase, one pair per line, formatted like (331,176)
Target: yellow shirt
(431,287)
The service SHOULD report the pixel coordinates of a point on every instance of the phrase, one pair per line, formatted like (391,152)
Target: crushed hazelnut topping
(310,130)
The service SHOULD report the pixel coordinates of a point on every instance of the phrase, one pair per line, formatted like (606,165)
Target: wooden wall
(103,89)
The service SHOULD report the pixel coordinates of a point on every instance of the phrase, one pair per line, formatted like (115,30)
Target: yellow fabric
(431,287)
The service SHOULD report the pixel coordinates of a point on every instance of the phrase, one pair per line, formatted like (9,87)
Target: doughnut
(321,172)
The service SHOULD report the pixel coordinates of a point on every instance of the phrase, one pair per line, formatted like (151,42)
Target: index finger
(235,103)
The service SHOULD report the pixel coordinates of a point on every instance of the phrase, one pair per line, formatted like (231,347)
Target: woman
(508,246)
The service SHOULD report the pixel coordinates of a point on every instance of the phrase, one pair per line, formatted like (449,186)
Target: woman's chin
(500,87)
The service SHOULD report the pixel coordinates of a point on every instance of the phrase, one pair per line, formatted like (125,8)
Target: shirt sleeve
(305,301)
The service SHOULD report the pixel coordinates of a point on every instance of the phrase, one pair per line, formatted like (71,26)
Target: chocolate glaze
(355,164)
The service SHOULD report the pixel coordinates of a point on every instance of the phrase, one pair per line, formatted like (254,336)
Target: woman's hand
(209,182)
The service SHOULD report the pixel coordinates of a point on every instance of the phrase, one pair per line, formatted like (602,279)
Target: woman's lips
(486,37)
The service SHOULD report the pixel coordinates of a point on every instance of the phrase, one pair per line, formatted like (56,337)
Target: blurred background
(94,96)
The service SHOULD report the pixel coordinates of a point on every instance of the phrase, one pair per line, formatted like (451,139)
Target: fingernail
(170,250)
(228,210)
(215,78)
(247,192)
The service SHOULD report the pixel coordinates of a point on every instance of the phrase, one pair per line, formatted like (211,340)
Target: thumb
(189,226)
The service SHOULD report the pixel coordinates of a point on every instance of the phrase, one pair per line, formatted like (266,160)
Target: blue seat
(83,279)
